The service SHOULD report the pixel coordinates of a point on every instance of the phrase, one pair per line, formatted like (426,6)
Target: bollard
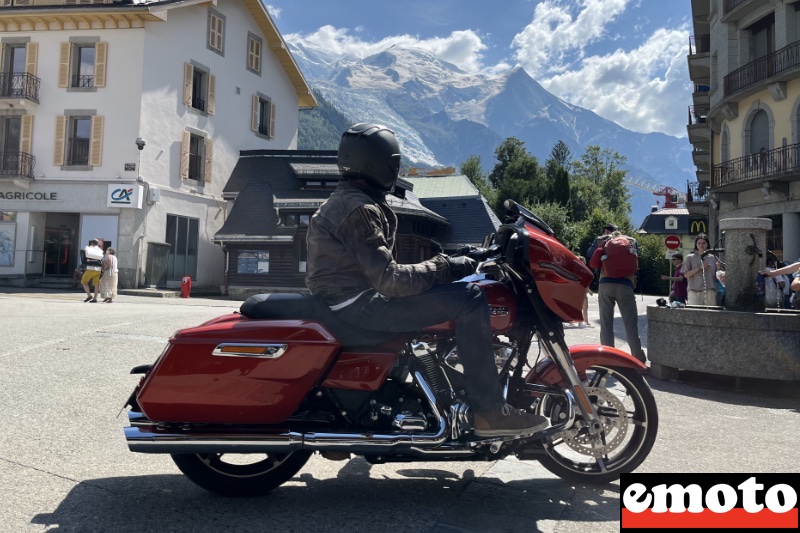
(186,287)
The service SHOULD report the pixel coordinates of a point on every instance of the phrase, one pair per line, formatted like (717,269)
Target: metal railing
(78,152)
(263,130)
(730,5)
(697,115)
(696,191)
(758,167)
(19,85)
(197,103)
(699,44)
(82,81)
(763,68)
(17,164)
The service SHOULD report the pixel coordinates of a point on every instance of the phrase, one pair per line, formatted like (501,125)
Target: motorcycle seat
(300,306)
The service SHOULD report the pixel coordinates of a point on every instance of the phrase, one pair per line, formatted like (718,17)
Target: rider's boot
(506,421)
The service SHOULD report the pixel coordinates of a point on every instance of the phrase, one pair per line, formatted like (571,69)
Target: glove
(461,266)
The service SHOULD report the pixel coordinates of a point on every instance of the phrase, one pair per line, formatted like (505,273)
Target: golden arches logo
(697,226)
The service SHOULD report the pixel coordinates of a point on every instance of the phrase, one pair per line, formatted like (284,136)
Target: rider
(351,268)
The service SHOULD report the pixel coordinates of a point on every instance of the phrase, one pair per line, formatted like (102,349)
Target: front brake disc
(613,416)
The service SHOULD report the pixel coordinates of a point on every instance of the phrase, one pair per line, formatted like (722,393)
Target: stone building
(744,124)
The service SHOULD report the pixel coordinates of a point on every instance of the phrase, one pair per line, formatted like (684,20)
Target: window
(302,261)
(252,262)
(199,87)
(216,31)
(759,132)
(197,154)
(263,118)
(295,219)
(254,46)
(79,141)
(82,64)
(182,235)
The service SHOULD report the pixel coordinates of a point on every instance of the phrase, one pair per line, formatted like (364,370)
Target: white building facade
(122,120)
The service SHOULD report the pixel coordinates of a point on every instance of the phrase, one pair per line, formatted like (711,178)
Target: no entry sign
(672,242)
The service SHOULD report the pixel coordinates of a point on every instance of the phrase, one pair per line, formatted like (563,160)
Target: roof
(264,181)
(471,219)
(655,222)
(457,185)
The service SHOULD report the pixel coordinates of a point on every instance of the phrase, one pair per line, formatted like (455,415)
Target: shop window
(182,235)
(252,262)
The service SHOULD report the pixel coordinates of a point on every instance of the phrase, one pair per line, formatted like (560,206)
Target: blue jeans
(463,303)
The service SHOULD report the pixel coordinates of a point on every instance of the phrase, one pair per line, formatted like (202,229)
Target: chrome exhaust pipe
(141,438)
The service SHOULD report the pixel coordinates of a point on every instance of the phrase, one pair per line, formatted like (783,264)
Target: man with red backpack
(617,257)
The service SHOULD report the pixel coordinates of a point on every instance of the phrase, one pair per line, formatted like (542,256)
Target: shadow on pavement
(351,502)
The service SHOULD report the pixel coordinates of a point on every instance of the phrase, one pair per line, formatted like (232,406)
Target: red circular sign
(673,242)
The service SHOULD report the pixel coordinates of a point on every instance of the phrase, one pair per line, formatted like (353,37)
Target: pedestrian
(608,229)
(678,292)
(77,274)
(108,283)
(699,269)
(94,268)
(351,268)
(585,310)
(617,281)
(719,283)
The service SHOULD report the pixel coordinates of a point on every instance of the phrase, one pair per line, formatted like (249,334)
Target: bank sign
(128,195)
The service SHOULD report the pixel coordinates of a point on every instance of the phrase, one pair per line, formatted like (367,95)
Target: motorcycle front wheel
(627,409)
(241,475)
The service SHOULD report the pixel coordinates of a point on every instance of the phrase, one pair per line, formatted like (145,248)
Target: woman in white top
(108,283)
(699,269)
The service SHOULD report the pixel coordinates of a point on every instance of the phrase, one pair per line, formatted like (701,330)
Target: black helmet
(370,151)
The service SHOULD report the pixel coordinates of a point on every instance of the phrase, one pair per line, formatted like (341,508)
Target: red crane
(672,197)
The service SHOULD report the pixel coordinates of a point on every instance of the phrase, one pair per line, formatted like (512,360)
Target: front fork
(560,355)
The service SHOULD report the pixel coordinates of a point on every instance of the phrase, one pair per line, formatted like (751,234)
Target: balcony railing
(16,164)
(699,44)
(763,68)
(730,5)
(697,115)
(82,81)
(78,152)
(19,85)
(197,103)
(696,191)
(764,165)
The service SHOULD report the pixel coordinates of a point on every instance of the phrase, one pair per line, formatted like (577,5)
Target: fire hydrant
(186,287)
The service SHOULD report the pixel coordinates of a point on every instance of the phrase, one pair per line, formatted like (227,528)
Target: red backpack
(620,257)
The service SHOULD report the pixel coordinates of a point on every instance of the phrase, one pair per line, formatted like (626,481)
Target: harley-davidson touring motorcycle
(242,401)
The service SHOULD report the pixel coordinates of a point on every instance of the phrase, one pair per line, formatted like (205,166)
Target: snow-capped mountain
(442,115)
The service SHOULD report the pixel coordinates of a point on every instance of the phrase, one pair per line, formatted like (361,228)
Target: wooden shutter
(61,139)
(271,120)
(63,64)
(96,144)
(31,58)
(209,155)
(188,74)
(185,139)
(26,135)
(254,117)
(212,82)
(100,61)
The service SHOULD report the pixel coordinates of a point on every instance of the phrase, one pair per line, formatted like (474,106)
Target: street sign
(673,242)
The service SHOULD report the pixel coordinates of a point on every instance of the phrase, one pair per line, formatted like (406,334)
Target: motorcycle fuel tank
(502,307)
(235,370)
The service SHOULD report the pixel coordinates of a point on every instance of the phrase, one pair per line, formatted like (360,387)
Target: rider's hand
(462,266)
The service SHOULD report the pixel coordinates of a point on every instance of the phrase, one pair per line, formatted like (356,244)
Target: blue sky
(623,59)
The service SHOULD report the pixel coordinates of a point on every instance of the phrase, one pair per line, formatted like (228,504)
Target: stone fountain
(741,339)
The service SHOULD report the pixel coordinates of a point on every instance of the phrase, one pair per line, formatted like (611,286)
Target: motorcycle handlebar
(477,253)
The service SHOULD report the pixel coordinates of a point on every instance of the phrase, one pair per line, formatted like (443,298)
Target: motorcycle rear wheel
(241,478)
(626,443)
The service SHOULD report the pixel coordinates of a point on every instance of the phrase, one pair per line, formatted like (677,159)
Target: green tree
(603,179)
(561,155)
(652,265)
(472,169)
(513,162)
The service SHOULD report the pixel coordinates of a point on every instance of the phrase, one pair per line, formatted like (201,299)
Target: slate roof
(443,186)
(655,222)
(264,181)
(471,219)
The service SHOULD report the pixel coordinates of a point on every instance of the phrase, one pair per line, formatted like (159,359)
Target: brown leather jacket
(350,249)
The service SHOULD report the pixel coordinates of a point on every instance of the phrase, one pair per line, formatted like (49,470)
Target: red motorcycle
(242,401)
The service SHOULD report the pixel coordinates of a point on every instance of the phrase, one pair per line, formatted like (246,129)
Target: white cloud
(555,35)
(462,48)
(643,90)
(274,12)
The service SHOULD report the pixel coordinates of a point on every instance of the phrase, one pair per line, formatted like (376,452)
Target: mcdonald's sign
(698,225)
